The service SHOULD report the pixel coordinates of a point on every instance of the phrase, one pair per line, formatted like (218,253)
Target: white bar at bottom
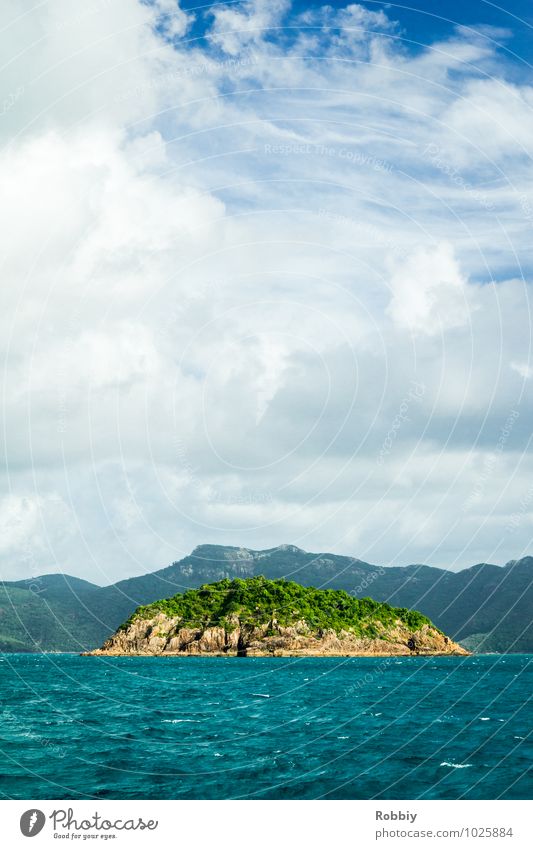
(270,824)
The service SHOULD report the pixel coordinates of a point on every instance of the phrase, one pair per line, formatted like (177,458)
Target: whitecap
(175,721)
(261,695)
(484,718)
(455,766)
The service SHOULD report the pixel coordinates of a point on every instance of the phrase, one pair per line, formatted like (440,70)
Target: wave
(456,766)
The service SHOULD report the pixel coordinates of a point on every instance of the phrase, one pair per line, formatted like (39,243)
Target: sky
(266,277)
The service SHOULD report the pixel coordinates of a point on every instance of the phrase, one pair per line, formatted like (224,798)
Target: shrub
(259,601)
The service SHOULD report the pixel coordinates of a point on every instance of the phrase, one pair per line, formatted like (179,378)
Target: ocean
(265,728)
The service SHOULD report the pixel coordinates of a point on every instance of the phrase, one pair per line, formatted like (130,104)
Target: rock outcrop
(154,632)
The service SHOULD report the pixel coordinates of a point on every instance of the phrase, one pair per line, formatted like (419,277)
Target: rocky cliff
(162,635)
(256,617)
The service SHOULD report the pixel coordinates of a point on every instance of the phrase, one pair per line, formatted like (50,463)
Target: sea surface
(269,728)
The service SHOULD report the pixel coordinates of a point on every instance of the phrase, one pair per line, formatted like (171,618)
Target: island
(257,617)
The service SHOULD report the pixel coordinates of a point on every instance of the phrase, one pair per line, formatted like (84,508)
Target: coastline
(277,653)
(274,655)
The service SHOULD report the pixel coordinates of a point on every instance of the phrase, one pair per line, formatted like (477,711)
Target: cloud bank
(266,278)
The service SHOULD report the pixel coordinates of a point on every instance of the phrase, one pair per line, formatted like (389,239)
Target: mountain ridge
(486,606)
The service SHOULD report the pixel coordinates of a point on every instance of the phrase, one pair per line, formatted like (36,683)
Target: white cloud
(238,28)
(172,20)
(523,369)
(29,523)
(429,293)
(74,63)
(225,267)
(357,18)
(495,117)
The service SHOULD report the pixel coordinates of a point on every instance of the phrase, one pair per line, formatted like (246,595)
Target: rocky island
(256,617)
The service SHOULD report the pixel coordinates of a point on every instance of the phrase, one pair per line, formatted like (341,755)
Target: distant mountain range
(486,608)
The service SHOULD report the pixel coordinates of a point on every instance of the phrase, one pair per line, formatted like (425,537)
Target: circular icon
(32,822)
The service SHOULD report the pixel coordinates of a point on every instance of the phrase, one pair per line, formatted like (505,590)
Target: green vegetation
(35,618)
(259,600)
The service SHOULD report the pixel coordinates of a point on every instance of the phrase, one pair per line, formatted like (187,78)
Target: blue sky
(269,276)
(425,21)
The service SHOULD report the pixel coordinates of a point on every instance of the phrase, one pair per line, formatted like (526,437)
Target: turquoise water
(302,728)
